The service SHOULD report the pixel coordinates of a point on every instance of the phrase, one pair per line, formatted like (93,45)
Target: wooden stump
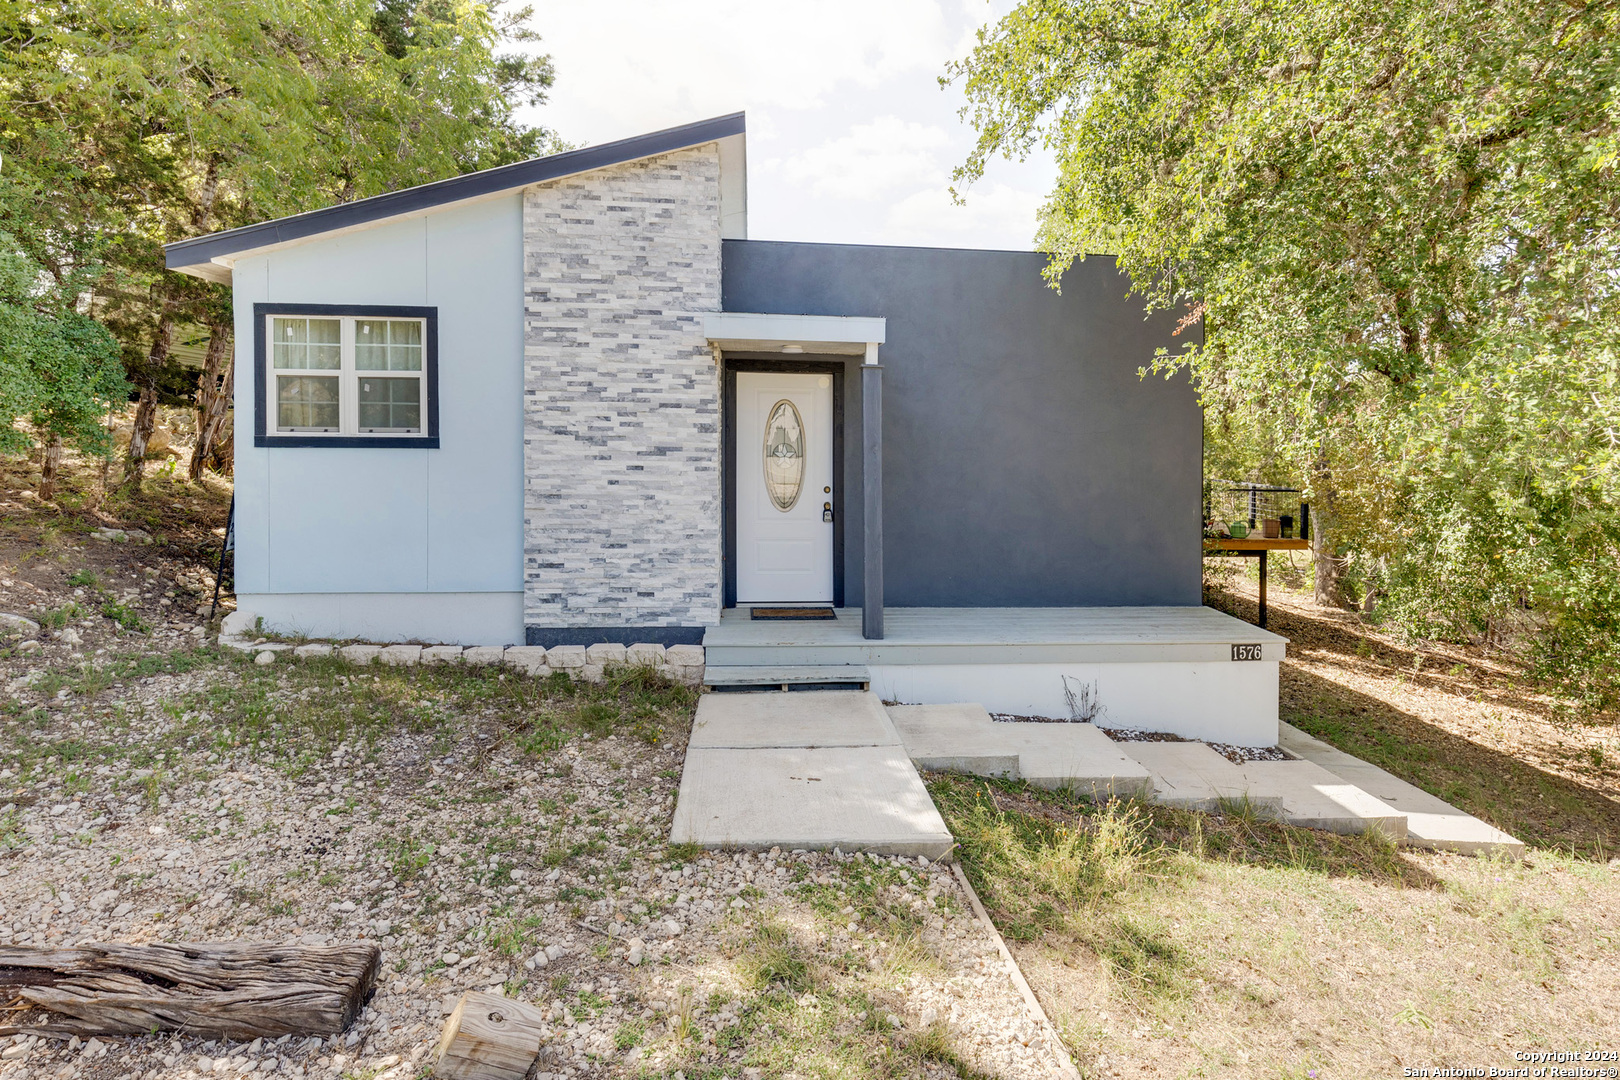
(231,990)
(489,1037)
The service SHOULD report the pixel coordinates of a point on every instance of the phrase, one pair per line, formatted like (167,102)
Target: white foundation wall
(435,618)
(1225,702)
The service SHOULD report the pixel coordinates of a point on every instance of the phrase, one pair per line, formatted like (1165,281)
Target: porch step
(1314,798)
(766,676)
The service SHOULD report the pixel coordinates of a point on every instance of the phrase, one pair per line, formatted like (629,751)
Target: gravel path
(477,861)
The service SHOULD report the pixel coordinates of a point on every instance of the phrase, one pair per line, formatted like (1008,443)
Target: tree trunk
(1329,566)
(49,467)
(214,389)
(146,406)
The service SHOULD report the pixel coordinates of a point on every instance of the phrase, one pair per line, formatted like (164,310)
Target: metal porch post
(872,483)
(1262,589)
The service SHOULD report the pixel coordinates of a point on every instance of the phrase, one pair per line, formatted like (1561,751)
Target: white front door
(784,464)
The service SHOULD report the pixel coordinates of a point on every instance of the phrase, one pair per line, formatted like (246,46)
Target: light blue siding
(475,478)
(348,520)
(249,286)
(366,520)
(385,264)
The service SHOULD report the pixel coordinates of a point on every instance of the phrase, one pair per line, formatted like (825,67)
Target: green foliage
(126,124)
(56,618)
(1397,224)
(12,833)
(59,369)
(124,616)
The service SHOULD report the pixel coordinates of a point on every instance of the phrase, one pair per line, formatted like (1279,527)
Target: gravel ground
(480,854)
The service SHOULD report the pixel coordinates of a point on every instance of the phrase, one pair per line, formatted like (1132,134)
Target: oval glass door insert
(784,455)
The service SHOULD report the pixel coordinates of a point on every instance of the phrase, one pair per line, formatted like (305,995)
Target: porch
(1189,671)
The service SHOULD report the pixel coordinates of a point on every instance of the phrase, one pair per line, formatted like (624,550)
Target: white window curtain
(345,375)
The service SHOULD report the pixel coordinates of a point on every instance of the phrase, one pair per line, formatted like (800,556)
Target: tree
(186,117)
(1398,221)
(59,370)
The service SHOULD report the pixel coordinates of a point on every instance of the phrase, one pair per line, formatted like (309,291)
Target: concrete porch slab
(1314,798)
(1431,822)
(866,798)
(802,719)
(1191,776)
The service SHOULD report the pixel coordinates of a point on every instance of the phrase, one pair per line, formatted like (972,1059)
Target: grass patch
(771,959)
(125,616)
(12,835)
(315,704)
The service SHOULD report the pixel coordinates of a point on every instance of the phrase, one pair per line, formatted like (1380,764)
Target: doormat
(793,614)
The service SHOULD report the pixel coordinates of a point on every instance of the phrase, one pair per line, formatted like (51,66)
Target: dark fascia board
(199,251)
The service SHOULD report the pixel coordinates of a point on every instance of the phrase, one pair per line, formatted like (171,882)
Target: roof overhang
(212,256)
(742,331)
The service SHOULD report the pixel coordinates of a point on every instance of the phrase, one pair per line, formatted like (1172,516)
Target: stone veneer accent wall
(621,455)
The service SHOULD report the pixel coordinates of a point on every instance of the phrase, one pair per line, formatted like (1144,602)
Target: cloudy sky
(850,137)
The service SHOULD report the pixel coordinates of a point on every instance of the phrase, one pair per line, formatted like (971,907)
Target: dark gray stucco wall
(1026,464)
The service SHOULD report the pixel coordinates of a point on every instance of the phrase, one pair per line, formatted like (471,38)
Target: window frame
(264,433)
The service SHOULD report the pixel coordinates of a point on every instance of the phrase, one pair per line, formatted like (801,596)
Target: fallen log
(489,1037)
(231,990)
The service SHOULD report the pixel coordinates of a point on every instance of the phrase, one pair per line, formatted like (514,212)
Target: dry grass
(1168,944)
(1463,724)
(51,569)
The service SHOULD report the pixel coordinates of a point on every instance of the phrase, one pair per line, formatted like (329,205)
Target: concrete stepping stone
(1314,798)
(796,718)
(1191,776)
(954,738)
(1077,757)
(1431,822)
(964,738)
(866,798)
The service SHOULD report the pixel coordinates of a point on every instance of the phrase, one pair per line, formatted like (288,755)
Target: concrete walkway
(825,769)
(963,738)
(1431,822)
(808,769)
(1320,788)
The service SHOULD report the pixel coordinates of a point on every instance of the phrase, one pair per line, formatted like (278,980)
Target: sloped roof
(211,256)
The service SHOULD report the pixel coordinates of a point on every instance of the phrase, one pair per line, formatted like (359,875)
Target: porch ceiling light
(793,348)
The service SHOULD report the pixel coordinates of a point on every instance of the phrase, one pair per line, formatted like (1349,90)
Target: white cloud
(683,61)
(850,138)
(871,161)
(929,217)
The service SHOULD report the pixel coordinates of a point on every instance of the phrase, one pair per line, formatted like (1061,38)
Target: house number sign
(1246,652)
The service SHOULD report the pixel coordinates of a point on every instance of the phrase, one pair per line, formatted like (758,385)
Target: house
(568,401)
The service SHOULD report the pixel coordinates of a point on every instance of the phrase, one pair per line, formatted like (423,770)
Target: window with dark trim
(335,375)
